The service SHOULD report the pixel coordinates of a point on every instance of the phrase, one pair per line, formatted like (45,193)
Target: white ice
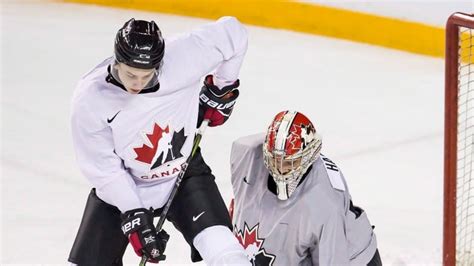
(380,112)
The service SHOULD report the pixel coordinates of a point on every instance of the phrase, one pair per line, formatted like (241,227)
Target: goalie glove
(138,226)
(216,104)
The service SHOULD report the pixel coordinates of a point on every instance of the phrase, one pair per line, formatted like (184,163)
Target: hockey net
(458,236)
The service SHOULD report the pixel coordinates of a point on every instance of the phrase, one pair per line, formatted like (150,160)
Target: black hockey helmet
(139,44)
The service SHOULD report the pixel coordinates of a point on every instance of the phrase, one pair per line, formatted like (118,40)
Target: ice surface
(380,113)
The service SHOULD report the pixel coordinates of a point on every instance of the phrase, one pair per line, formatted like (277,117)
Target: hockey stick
(184,166)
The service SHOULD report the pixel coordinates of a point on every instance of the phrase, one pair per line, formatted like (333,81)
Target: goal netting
(458,246)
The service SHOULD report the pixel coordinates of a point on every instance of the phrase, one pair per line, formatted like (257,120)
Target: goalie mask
(291,146)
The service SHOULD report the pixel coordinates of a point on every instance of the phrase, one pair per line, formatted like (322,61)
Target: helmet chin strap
(282,190)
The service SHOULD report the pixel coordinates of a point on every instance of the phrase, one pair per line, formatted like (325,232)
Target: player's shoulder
(246,149)
(324,183)
(88,88)
(332,171)
(89,91)
(97,73)
(324,189)
(248,143)
(246,163)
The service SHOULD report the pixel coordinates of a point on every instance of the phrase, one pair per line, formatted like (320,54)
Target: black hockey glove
(138,226)
(217,104)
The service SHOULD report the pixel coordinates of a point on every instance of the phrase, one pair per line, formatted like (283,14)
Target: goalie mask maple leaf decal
(161,146)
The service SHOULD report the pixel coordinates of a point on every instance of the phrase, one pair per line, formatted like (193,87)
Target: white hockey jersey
(131,146)
(317,225)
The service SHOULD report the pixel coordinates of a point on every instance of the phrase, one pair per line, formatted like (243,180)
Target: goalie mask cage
(458,227)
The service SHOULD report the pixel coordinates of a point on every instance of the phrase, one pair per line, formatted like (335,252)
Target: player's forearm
(233,52)
(116,188)
(121,193)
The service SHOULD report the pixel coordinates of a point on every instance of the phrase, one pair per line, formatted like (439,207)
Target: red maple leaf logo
(293,141)
(249,237)
(253,245)
(145,153)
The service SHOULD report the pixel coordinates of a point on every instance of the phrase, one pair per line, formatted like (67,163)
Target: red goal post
(458,225)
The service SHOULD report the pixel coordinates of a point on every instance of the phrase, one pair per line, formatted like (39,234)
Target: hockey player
(134,117)
(292,205)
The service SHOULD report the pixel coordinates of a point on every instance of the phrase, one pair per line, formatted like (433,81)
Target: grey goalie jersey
(317,225)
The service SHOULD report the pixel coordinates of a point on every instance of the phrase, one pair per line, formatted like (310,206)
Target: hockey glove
(216,104)
(138,226)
